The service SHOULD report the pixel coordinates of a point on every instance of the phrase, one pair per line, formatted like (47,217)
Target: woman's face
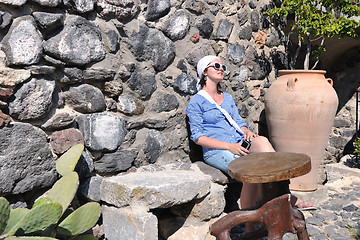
(215,74)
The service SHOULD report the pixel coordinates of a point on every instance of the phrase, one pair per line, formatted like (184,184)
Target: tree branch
(317,57)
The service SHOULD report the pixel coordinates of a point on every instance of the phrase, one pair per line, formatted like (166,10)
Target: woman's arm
(235,148)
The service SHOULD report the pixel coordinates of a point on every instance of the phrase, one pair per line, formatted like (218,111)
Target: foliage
(315,20)
(356,145)
(50,218)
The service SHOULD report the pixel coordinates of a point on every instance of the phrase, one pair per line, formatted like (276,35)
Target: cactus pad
(65,189)
(29,238)
(41,201)
(37,219)
(4,213)
(67,162)
(82,219)
(86,237)
(15,216)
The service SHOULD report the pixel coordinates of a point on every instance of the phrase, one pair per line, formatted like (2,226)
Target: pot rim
(288,71)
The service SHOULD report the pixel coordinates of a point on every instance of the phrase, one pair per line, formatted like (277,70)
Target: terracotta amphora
(300,108)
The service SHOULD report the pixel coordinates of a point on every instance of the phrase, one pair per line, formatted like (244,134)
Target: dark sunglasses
(217,66)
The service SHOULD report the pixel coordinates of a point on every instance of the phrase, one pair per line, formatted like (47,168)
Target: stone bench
(179,201)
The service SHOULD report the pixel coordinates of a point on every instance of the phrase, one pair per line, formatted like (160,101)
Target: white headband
(202,64)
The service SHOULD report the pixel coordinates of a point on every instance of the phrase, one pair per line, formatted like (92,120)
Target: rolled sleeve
(195,115)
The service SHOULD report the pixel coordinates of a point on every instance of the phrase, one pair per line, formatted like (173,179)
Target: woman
(221,141)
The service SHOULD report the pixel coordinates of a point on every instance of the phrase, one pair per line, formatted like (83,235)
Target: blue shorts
(221,159)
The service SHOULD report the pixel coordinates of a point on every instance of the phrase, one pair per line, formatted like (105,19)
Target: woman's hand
(249,135)
(237,149)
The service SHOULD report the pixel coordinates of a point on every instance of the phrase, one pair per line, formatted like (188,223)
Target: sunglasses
(217,66)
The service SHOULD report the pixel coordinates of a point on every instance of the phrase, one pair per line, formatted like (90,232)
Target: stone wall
(116,75)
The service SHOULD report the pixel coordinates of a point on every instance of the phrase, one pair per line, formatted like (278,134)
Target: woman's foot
(301,204)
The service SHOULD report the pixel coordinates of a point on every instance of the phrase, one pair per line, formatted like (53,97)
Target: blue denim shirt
(205,119)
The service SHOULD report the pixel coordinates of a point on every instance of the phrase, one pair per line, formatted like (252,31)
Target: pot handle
(290,85)
(330,81)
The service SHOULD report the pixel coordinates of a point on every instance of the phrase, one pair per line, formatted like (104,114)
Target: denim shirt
(205,119)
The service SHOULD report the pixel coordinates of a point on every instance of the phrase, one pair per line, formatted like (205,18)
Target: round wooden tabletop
(269,167)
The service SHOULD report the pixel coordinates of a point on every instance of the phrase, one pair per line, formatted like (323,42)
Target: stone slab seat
(159,189)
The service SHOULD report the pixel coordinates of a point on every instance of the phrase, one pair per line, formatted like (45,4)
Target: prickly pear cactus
(82,219)
(41,201)
(86,237)
(29,238)
(37,219)
(67,162)
(4,213)
(65,189)
(15,216)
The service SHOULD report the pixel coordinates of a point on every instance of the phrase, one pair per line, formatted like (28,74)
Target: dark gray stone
(79,43)
(80,6)
(154,144)
(186,84)
(72,75)
(177,26)
(58,121)
(165,102)
(255,21)
(243,17)
(245,33)
(217,176)
(273,39)
(32,100)
(195,6)
(122,10)
(261,69)
(48,3)
(26,161)
(41,70)
(85,98)
(148,123)
(205,27)
(195,55)
(144,84)
(91,188)
(224,30)
(279,59)
(235,52)
(113,39)
(130,105)
(181,65)
(314,221)
(152,44)
(14,2)
(102,131)
(118,161)
(22,44)
(85,165)
(53,61)
(157,9)
(48,21)
(99,74)
(125,70)
(342,123)
(5,19)
(252,5)
(338,142)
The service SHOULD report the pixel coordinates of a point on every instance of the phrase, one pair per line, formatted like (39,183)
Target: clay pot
(300,108)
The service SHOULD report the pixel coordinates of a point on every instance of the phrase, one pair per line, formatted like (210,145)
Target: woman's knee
(261,144)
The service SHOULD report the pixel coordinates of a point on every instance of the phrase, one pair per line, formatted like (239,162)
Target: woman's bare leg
(249,195)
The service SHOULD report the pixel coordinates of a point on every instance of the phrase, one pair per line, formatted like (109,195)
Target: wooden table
(274,213)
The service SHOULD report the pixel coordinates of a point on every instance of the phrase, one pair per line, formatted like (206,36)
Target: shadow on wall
(345,72)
